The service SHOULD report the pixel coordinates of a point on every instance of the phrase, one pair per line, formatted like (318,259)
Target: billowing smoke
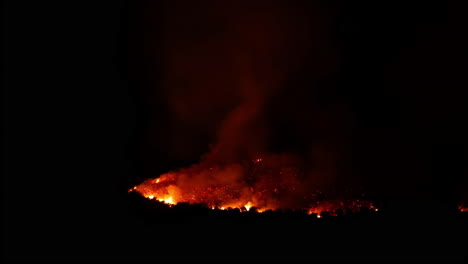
(245,77)
(222,63)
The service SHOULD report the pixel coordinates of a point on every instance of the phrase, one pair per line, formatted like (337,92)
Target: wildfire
(263,184)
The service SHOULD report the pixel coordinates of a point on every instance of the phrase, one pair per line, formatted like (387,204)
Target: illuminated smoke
(226,66)
(223,64)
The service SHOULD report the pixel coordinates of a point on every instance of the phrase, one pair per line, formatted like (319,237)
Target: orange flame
(261,184)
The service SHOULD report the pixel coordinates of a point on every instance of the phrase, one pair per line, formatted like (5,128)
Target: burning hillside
(249,78)
(268,183)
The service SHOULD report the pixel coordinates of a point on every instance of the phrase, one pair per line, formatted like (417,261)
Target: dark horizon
(98,98)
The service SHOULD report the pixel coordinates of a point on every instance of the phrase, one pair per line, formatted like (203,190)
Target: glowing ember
(268,183)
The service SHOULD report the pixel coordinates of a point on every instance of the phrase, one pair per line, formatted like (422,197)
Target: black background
(77,84)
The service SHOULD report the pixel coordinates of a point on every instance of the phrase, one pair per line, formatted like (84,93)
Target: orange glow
(226,187)
(261,210)
(234,88)
(169,200)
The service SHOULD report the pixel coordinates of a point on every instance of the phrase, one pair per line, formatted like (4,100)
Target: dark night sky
(82,99)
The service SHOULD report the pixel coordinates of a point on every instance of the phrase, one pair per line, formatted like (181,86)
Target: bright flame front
(230,188)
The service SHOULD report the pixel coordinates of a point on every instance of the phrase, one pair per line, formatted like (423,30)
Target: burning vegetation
(275,182)
(238,87)
(250,78)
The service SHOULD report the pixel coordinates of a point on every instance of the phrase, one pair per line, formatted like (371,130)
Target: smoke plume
(244,76)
